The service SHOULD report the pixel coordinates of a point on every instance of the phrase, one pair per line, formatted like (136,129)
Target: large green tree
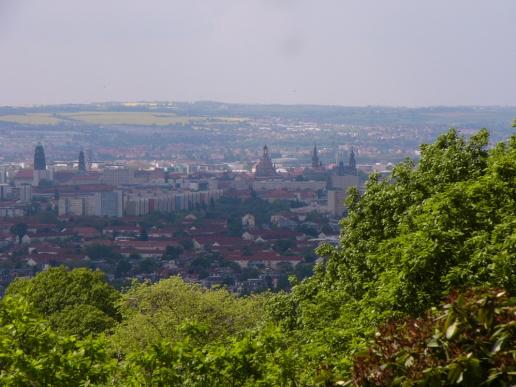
(33,354)
(154,312)
(78,301)
(19,230)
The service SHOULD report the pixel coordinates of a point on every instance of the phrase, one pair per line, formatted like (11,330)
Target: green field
(108,118)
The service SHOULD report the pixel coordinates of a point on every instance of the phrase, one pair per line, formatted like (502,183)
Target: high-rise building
(265,168)
(3,175)
(26,193)
(5,191)
(118,176)
(336,198)
(82,162)
(109,203)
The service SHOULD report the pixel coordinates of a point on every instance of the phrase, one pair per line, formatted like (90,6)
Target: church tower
(265,168)
(82,162)
(40,166)
(40,163)
(352,161)
(315,158)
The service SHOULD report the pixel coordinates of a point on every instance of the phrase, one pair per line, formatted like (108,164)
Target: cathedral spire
(352,161)
(315,158)
(82,162)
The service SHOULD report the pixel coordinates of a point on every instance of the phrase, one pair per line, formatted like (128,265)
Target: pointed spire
(82,161)
(352,161)
(315,158)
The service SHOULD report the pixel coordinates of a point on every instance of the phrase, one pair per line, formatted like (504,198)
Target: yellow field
(31,119)
(109,118)
(128,118)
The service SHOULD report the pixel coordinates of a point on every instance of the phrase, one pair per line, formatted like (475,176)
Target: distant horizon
(179,101)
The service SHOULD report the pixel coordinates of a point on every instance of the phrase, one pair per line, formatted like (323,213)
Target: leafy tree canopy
(154,312)
(78,301)
(32,354)
(448,222)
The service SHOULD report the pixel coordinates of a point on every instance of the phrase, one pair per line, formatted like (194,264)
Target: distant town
(237,198)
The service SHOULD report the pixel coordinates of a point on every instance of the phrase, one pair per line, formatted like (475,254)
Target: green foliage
(187,244)
(235,227)
(257,359)
(32,354)
(153,312)
(173,252)
(283,245)
(449,222)
(99,252)
(469,341)
(76,302)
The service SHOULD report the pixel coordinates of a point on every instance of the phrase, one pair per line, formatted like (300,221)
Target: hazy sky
(345,52)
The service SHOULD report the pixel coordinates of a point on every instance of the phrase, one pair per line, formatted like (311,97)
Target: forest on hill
(419,291)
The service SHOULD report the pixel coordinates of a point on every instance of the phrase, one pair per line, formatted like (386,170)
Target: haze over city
(396,53)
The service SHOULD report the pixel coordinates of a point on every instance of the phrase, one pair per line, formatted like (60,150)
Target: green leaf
(498,344)
(452,329)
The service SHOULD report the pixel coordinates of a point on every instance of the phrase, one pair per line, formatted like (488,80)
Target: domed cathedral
(264,167)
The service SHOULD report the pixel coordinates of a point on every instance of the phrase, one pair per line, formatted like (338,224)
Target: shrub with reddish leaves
(470,341)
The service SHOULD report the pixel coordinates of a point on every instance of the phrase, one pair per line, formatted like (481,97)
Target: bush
(469,341)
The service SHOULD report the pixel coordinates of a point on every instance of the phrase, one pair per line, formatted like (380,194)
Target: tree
(99,252)
(235,227)
(123,267)
(61,295)
(173,252)
(147,266)
(19,230)
(32,354)
(448,222)
(283,245)
(154,312)
(187,244)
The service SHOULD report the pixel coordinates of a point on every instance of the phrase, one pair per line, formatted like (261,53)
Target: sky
(336,52)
